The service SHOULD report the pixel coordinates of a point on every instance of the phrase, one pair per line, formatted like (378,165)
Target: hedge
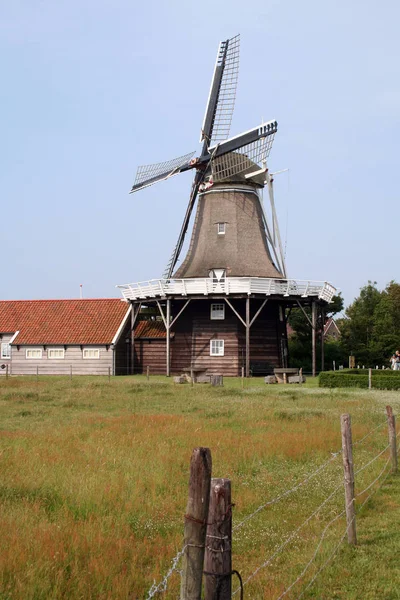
(386,380)
(375,372)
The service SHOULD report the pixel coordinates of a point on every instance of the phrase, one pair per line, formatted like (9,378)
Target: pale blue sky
(90,89)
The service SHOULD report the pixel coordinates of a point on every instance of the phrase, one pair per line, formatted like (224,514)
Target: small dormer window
(221,228)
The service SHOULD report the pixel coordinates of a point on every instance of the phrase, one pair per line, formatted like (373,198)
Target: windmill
(233,280)
(240,158)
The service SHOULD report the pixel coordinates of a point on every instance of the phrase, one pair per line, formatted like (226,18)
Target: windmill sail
(245,158)
(148,174)
(222,96)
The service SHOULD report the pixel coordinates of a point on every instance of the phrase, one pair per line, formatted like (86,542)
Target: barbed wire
(282,546)
(287,492)
(289,539)
(370,433)
(371,461)
(297,486)
(331,522)
(336,548)
(162,586)
(375,480)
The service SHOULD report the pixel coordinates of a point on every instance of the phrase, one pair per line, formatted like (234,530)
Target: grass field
(94,479)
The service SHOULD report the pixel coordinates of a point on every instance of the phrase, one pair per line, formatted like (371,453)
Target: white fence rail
(160,288)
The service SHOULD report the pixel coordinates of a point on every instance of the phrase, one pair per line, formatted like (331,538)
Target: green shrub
(375,372)
(381,380)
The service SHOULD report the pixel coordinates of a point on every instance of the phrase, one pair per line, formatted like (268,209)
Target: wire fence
(372,487)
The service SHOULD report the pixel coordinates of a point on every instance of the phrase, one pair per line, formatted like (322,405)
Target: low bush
(375,372)
(381,380)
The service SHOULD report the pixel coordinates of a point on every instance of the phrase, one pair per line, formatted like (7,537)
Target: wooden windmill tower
(225,306)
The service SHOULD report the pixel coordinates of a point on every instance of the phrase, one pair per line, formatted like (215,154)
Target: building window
(91,353)
(217,312)
(221,228)
(5,350)
(33,353)
(55,353)
(217,347)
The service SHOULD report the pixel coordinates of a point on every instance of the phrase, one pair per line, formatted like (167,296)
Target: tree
(357,327)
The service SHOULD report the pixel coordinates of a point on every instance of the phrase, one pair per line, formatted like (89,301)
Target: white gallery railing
(156,288)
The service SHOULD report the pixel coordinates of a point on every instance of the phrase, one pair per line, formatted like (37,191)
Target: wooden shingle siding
(150,353)
(73,357)
(193,331)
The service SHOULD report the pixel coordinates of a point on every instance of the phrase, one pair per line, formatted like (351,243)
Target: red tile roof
(64,322)
(150,330)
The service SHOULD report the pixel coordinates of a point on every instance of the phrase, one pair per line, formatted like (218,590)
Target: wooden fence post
(148,373)
(196,524)
(242,378)
(217,380)
(392,437)
(109,374)
(6,371)
(191,377)
(218,558)
(370,379)
(348,468)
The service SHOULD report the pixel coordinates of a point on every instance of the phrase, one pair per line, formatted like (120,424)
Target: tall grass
(94,476)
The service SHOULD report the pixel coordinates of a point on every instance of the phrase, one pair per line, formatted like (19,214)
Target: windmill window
(221,228)
(5,350)
(55,353)
(217,347)
(33,353)
(217,312)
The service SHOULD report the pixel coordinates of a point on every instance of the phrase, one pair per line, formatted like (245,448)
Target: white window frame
(50,350)
(217,347)
(30,350)
(5,351)
(221,228)
(217,311)
(96,351)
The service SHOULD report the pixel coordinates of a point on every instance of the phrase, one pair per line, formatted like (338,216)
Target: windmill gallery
(225,307)
(222,310)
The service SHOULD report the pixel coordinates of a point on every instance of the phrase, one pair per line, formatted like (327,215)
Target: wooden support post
(314,337)
(196,524)
(322,339)
(348,468)
(392,437)
(168,327)
(242,378)
(191,376)
(370,379)
(301,375)
(247,337)
(148,373)
(133,320)
(218,557)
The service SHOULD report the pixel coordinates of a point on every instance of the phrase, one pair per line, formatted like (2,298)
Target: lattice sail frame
(227,93)
(244,159)
(162,170)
